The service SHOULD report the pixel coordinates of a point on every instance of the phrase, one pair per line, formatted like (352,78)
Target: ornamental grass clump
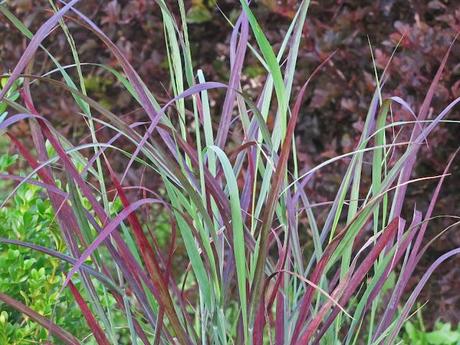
(234,205)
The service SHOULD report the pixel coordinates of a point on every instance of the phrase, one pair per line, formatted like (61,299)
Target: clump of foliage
(261,266)
(442,334)
(34,279)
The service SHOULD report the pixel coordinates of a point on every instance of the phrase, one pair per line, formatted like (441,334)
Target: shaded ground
(337,102)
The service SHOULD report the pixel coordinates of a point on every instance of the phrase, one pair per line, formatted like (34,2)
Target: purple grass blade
(259,324)
(398,289)
(268,301)
(235,77)
(409,304)
(423,113)
(37,136)
(101,277)
(50,188)
(11,120)
(280,319)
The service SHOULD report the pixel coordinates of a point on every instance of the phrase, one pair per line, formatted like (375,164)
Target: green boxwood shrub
(29,276)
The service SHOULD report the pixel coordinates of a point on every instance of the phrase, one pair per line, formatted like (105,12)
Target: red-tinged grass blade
(282,262)
(54,329)
(145,248)
(413,230)
(159,328)
(259,323)
(266,304)
(354,281)
(98,333)
(160,319)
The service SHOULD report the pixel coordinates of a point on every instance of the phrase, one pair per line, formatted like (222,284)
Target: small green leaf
(198,14)
(3,317)
(443,336)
